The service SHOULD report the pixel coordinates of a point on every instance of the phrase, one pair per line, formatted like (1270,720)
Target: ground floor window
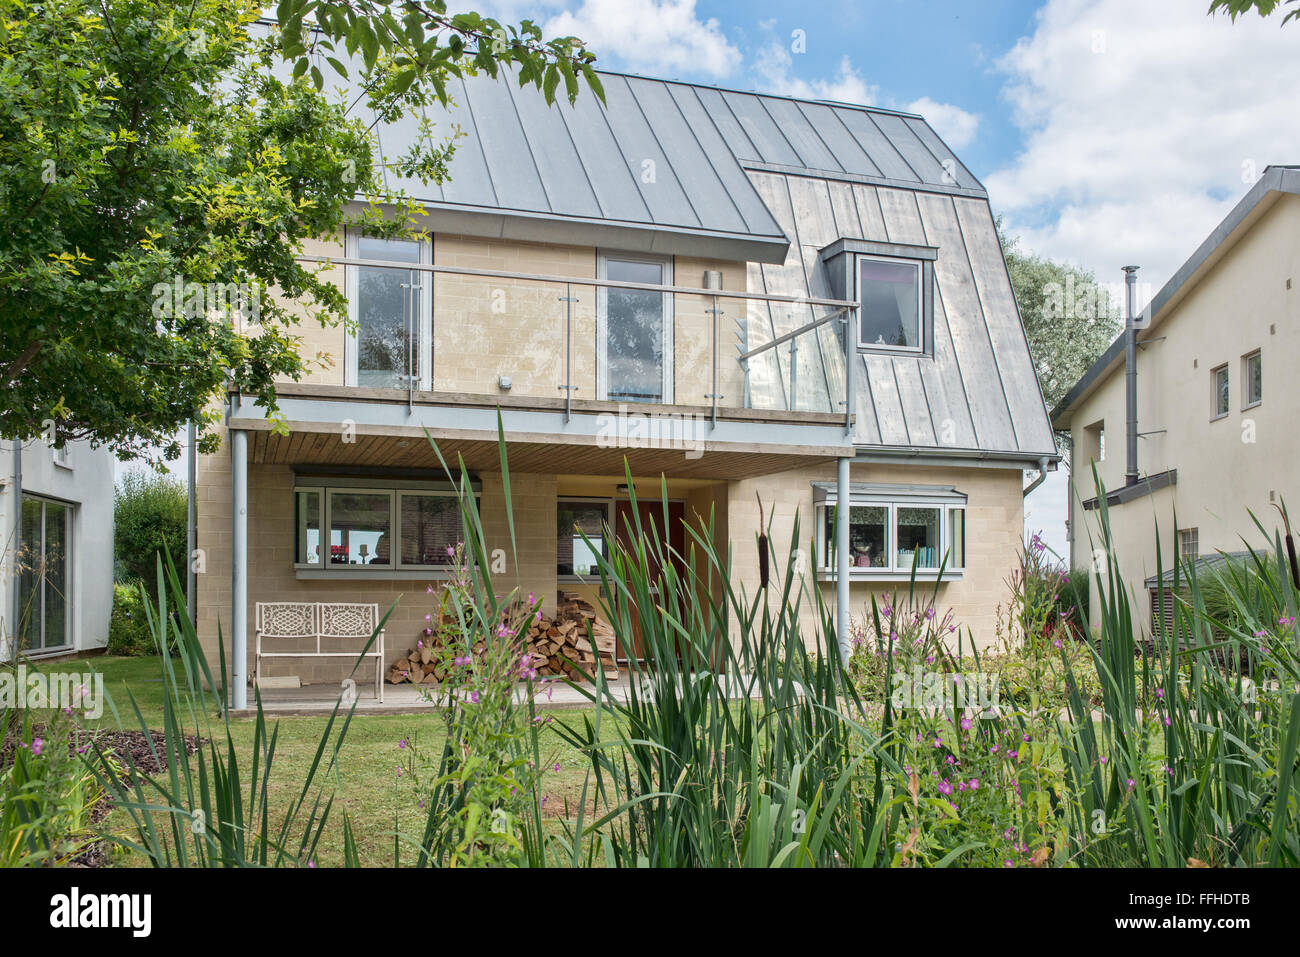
(895,529)
(345,527)
(44,608)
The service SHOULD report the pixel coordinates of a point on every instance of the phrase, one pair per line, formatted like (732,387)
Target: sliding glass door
(44,619)
(389,347)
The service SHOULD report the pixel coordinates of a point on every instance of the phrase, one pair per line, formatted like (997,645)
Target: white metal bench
(319,621)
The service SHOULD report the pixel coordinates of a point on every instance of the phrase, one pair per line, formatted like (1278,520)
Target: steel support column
(239,569)
(842,508)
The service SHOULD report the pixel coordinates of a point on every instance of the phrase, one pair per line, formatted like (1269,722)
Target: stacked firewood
(557,645)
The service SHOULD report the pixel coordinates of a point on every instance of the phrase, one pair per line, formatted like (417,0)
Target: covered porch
(383,442)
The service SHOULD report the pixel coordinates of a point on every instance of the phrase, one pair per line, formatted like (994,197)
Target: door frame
(70,510)
(603,256)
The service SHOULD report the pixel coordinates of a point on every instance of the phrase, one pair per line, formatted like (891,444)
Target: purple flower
(38,745)
(945,787)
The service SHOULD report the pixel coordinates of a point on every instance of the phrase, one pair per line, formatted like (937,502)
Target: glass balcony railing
(630,336)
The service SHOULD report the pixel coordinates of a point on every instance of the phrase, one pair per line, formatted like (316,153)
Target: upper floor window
(390,307)
(1189,542)
(889,291)
(634,330)
(1252,376)
(1221,395)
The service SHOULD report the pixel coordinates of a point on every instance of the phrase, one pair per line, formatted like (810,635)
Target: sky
(1107,132)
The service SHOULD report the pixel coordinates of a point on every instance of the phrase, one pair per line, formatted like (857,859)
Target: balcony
(617,364)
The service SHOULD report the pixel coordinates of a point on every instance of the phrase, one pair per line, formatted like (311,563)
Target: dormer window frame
(843,260)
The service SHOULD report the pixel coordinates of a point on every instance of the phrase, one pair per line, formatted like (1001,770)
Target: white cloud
(1141,123)
(774,67)
(663,37)
(956,126)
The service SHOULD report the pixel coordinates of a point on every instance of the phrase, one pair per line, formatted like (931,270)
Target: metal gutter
(1042,477)
(1142,488)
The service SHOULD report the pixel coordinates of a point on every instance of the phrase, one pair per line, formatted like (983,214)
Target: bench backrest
(337,620)
(286,619)
(309,619)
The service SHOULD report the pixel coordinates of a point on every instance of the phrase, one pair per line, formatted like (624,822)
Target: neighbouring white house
(1204,430)
(56,510)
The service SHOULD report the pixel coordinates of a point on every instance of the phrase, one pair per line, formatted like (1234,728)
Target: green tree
(1235,8)
(1070,319)
(161,166)
(150,510)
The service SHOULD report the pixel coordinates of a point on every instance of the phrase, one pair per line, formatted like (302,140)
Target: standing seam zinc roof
(771,180)
(662,154)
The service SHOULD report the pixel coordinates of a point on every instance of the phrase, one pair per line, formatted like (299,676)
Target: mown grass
(365,777)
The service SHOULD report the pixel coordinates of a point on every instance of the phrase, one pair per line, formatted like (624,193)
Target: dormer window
(890,293)
(894,282)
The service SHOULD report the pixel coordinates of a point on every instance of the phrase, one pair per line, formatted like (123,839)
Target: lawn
(365,782)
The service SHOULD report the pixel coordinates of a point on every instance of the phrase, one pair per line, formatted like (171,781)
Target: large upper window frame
(894,561)
(422,320)
(918,332)
(665,265)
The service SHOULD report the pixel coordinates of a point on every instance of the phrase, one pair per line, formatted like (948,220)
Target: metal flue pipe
(1130,377)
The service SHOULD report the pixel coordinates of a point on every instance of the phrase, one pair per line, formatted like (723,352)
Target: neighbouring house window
(634,331)
(1253,379)
(44,619)
(1221,391)
(889,291)
(1189,542)
(581,538)
(894,529)
(342,528)
(390,307)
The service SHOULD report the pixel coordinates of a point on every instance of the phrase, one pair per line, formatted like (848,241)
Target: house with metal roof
(1193,396)
(747,297)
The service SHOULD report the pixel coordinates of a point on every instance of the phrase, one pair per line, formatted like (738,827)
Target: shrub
(150,512)
(128,630)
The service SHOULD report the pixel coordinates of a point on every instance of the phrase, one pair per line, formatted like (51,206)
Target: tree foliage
(162,165)
(150,511)
(1070,319)
(1235,8)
